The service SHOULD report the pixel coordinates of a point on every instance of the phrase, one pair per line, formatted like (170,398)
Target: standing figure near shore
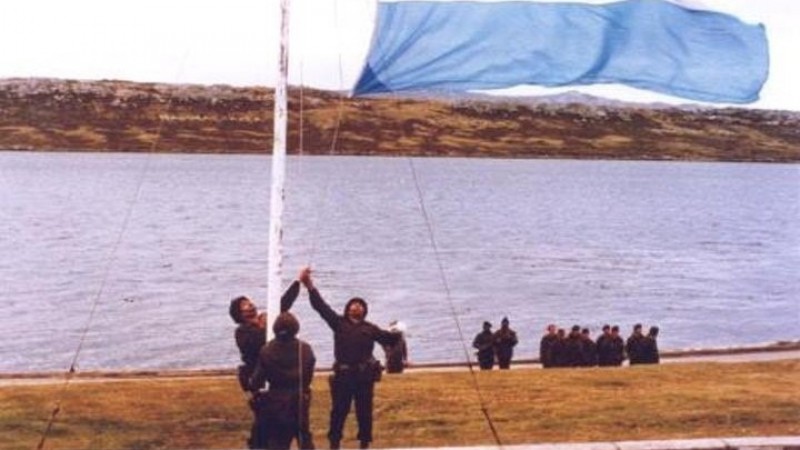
(505,339)
(396,354)
(650,347)
(546,347)
(603,345)
(559,351)
(355,369)
(617,347)
(634,345)
(573,348)
(287,363)
(250,336)
(588,349)
(484,343)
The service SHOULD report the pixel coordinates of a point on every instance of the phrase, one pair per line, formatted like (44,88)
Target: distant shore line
(268,153)
(124,116)
(779,346)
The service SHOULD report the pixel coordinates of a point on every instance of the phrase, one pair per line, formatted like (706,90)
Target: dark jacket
(604,350)
(634,347)
(282,413)
(353,342)
(546,353)
(558,352)
(649,349)
(573,350)
(616,351)
(396,356)
(484,342)
(250,338)
(285,364)
(588,352)
(505,339)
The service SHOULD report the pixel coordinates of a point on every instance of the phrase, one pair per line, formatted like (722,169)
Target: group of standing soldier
(281,414)
(578,349)
(498,345)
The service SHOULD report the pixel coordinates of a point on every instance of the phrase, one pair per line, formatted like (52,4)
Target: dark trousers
(280,438)
(347,388)
(282,417)
(504,362)
(257,438)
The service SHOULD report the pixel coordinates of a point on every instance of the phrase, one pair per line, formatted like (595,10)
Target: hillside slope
(48,114)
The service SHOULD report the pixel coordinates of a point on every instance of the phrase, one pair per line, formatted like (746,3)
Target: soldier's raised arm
(320,306)
(288,297)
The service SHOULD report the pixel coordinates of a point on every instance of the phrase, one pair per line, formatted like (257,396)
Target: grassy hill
(48,114)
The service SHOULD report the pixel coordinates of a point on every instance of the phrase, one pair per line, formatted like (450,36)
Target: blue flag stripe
(648,44)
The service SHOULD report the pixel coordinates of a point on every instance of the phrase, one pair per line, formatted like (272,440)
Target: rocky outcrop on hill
(48,114)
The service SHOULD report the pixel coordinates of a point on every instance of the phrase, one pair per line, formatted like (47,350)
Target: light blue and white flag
(648,44)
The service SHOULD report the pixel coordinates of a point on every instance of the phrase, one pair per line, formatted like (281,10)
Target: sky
(236,42)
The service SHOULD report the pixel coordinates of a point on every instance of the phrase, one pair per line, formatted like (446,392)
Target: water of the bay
(143,252)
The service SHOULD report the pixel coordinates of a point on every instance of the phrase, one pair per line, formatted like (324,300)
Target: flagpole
(278,174)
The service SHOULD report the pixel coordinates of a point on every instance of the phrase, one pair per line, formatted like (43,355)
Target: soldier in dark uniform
(616,347)
(355,369)
(396,354)
(559,350)
(287,363)
(573,348)
(250,337)
(588,349)
(650,347)
(546,356)
(633,346)
(484,342)
(505,339)
(603,345)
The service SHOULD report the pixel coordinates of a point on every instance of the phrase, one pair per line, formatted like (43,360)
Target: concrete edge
(778,442)
(783,351)
(731,443)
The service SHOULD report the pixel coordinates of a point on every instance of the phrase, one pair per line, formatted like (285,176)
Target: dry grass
(430,409)
(124,116)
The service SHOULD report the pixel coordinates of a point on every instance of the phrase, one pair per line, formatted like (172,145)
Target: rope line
(332,150)
(300,436)
(448,295)
(438,256)
(317,223)
(104,280)
(334,144)
(95,302)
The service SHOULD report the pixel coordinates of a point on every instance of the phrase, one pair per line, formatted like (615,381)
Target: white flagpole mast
(278,174)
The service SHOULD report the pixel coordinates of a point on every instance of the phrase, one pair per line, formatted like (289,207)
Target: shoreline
(777,350)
